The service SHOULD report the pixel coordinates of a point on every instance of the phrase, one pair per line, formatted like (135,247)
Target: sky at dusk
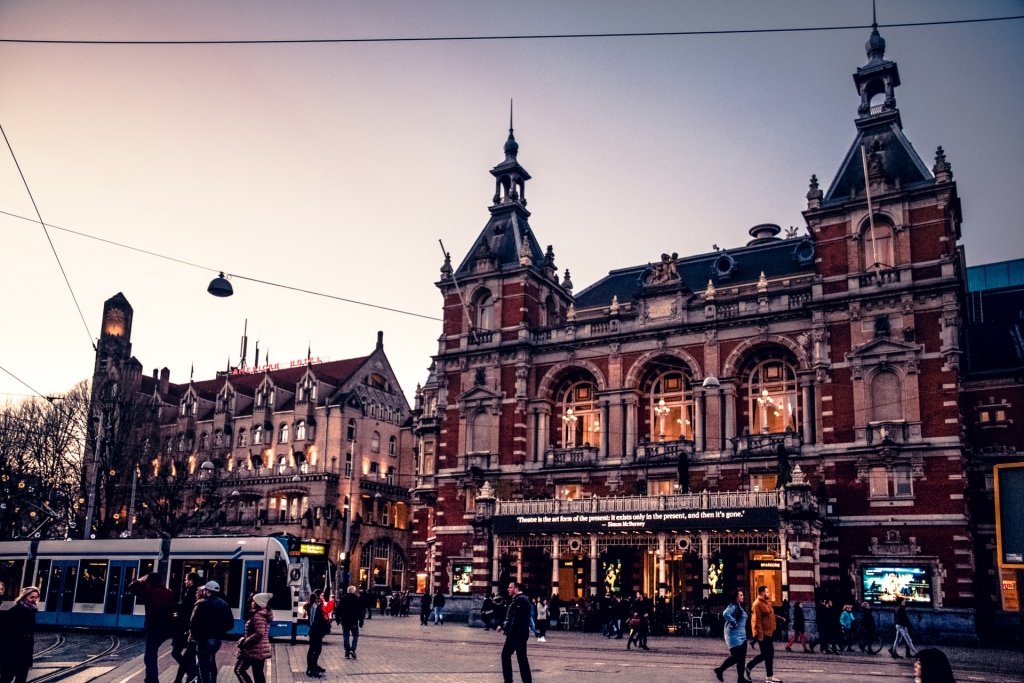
(338,167)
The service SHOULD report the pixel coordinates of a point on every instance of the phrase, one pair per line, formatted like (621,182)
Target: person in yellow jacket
(762,626)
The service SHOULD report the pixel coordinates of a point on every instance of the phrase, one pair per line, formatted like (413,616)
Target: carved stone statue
(665,271)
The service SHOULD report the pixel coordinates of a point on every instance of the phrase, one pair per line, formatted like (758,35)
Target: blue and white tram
(82,583)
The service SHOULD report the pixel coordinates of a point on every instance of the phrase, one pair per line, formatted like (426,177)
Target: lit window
(568,491)
(1000,416)
(672,407)
(772,397)
(984,416)
(662,487)
(375,442)
(392,445)
(763,482)
(580,418)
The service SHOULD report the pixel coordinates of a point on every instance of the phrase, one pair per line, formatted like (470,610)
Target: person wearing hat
(19,634)
(159,602)
(254,647)
(211,620)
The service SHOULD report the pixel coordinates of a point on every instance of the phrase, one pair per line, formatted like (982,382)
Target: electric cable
(217,270)
(526,36)
(48,239)
(23,383)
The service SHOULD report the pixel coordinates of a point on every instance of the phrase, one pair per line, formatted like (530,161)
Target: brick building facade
(786,412)
(274,449)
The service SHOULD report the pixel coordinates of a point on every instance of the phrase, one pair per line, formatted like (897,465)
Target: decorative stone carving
(814,194)
(709,293)
(614,308)
(762,283)
(942,169)
(665,272)
(570,315)
(525,257)
(567,282)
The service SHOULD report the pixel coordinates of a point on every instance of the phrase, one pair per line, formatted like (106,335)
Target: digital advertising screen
(882,585)
(462,578)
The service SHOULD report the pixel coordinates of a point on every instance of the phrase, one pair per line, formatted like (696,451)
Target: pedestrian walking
(318,628)
(902,621)
(425,608)
(735,618)
(182,650)
(19,637)
(827,625)
(542,620)
(487,612)
(517,634)
(867,627)
(846,628)
(762,626)
(932,666)
(254,647)
(368,601)
(799,628)
(644,608)
(158,600)
(211,620)
(383,604)
(439,608)
(350,615)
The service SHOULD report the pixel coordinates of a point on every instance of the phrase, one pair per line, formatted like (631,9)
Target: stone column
(496,569)
(519,564)
(544,432)
(698,420)
(593,565)
(705,557)
(662,579)
(603,439)
(729,399)
(808,413)
(785,565)
(554,564)
(631,413)
(713,420)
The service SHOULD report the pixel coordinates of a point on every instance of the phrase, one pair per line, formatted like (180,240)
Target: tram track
(117,645)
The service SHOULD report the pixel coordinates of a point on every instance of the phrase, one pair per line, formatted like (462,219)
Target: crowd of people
(197,621)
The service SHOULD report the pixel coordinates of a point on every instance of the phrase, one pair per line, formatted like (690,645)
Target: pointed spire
(511,146)
(875,46)
(942,169)
(192,372)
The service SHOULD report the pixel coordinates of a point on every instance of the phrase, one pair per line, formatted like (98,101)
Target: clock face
(113,323)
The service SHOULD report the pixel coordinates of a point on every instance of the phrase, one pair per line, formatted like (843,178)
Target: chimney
(165,380)
(156,375)
(380,341)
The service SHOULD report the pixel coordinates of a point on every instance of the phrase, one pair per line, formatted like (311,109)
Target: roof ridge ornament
(942,169)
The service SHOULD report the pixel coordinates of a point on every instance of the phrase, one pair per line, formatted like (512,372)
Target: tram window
(228,573)
(113,590)
(43,576)
(10,576)
(252,583)
(92,581)
(277,583)
(146,567)
(127,599)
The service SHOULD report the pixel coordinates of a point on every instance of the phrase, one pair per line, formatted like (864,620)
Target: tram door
(253,582)
(60,596)
(119,606)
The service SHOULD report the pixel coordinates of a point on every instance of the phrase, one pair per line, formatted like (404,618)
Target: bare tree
(41,447)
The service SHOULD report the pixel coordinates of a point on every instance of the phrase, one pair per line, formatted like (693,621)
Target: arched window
(550,311)
(672,407)
(218,438)
(385,515)
(479,434)
(300,430)
(241,438)
(282,434)
(886,397)
(202,441)
(772,397)
(257,435)
(181,443)
(350,431)
(390,478)
(375,442)
(484,310)
(880,250)
(580,419)
(282,464)
(392,445)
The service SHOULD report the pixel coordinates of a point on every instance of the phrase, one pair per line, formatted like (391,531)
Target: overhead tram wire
(535,36)
(217,270)
(50,240)
(25,384)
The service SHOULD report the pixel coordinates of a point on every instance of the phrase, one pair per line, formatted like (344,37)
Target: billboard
(462,578)
(668,520)
(882,585)
(1009,485)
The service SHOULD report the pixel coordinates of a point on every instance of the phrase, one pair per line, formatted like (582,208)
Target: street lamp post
(661,410)
(347,559)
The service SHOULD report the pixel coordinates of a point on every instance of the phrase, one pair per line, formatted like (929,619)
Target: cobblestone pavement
(402,650)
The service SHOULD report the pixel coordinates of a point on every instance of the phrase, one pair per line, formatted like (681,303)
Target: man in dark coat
(645,608)
(159,624)
(184,652)
(438,607)
(425,608)
(350,614)
(867,626)
(517,634)
(211,620)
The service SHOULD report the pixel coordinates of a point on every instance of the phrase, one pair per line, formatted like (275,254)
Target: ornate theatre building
(781,413)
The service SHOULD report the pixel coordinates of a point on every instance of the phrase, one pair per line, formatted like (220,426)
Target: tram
(82,582)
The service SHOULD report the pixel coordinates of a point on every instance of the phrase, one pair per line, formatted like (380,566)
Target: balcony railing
(766,445)
(571,457)
(384,489)
(882,277)
(691,501)
(897,431)
(663,451)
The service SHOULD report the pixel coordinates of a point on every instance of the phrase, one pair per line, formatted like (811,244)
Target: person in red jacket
(159,602)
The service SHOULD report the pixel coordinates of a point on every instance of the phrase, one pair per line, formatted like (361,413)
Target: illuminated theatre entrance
(680,550)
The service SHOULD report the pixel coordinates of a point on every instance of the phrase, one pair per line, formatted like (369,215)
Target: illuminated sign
(312,549)
(668,520)
(766,564)
(277,366)
(882,585)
